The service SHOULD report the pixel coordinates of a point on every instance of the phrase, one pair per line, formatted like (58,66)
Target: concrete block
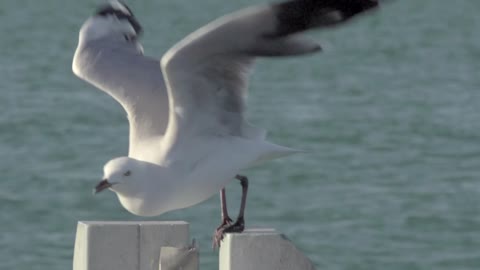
(185,258)
(101,245)
(155,235)
(264,249)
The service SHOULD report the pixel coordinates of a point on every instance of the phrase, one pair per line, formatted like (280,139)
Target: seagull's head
(119,174)
(142,187)
(112,19)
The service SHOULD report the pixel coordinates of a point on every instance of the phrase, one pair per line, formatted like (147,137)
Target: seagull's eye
(127,173)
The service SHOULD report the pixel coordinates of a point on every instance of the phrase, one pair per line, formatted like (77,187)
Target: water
(388,112)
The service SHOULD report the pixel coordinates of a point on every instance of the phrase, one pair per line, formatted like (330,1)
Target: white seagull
(188,133)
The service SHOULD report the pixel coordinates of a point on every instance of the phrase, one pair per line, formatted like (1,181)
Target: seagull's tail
(267,149)
(271,151)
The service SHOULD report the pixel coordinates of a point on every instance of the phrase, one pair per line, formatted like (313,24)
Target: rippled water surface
(389,114)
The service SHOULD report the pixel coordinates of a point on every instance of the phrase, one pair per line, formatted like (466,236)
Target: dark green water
(389,112)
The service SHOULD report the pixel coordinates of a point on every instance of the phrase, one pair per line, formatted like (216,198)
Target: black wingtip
(109,9)
(351,8)
(299,15)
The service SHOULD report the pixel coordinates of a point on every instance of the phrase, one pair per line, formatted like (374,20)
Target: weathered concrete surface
(186,258)
(107,245)
(264,249)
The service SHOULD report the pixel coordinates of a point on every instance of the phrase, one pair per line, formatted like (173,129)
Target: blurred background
(389,113)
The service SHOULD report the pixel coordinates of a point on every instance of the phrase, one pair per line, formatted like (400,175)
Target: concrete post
(185,258)
(101,245)
(264,249)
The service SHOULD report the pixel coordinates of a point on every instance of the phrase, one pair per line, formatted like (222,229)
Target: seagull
(188,136)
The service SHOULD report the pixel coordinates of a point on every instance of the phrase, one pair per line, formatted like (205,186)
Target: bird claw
(218,234)
(228,227)
(227,221)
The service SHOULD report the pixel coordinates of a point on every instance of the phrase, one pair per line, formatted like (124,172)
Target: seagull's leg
(226,220)
(239,224)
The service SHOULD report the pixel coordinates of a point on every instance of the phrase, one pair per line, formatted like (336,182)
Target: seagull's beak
(104,184)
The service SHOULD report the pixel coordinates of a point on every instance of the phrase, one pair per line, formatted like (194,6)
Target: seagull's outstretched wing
(135,81)
(207,72)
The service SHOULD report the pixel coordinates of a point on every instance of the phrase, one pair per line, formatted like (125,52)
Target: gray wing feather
(207,72)
(132,79)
